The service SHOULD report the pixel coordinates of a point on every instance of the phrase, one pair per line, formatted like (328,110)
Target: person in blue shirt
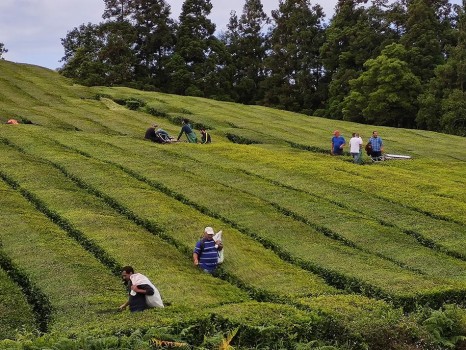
(338,142)
(377,145)
(205,254)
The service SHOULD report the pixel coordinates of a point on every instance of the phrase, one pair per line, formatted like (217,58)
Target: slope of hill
(318,250)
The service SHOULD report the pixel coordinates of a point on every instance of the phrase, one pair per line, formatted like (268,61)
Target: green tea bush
(295,222)
(241,140)
(15,313)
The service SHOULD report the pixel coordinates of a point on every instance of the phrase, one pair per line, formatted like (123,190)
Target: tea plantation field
(320,253)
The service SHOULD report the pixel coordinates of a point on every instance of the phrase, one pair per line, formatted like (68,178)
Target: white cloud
(31,29)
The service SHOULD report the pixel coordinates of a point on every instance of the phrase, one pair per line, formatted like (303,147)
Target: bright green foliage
(240,193)
(386,93)
(290,281)
(74,282)
(114,233)
(446,326)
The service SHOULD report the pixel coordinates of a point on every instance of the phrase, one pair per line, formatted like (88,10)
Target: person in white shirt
(355,144)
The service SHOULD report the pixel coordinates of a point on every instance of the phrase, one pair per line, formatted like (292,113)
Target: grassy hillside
(319,251)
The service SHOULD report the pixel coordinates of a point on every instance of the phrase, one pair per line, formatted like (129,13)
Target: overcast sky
(31,29)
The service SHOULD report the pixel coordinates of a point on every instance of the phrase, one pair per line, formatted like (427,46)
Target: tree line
(400,64)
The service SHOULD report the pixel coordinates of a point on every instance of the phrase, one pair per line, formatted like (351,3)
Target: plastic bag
(218,237)
(154,300)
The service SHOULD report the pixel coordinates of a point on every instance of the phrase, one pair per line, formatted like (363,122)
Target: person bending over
(187,129)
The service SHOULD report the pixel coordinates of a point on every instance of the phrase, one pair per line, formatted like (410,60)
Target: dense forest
(400,63)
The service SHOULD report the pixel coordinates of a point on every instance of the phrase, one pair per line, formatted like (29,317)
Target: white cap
(209,230)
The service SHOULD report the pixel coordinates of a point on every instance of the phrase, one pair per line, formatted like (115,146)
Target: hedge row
(438,234)
(286,278)
(325,248)
(295,128)
(339,277)
(63,283)
(16,315)
(310,131)
(209,197)
(120,239)
(344,224)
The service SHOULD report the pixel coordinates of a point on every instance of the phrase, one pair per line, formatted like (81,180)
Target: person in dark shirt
(136,293)
(205,136)
(188,130)
(155,134)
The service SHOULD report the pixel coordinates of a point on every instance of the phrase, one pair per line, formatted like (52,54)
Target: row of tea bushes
(241,212)
(67,283)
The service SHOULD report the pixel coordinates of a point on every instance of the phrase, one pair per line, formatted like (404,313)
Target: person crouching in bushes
(188,130)
(205,136)
(142,294)
(205,254)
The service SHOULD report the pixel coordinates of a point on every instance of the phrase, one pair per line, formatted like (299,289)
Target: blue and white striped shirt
(208,255)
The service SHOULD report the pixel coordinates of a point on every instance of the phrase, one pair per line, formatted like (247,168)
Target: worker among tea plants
(142,294)
(376,145)
(205,254)
(188,130)
(355,144)
(205,136)
(338,142)
(156,134)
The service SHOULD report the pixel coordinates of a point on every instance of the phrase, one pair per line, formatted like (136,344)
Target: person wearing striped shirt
(205,254)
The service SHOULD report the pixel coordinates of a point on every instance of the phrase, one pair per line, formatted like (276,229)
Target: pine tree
(118,10)
(117,55)
(422,39)
(294,62)
(154,41)
(442,106)
(194,48)
(82,62)
(246,45)
(355,34)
